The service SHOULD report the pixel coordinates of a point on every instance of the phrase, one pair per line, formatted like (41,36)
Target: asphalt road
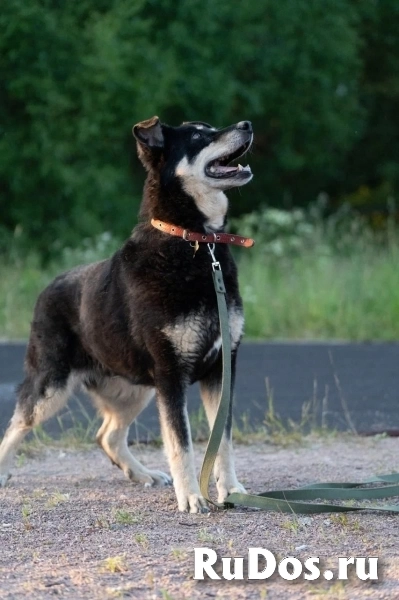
(348,385)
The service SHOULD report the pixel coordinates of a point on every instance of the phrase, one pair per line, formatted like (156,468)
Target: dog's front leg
(176,434)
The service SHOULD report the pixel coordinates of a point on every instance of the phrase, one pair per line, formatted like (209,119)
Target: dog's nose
(245,125)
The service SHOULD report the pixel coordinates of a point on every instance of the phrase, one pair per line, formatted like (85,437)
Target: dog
(145,321)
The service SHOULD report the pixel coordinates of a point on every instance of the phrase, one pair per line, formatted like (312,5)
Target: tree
(78,75)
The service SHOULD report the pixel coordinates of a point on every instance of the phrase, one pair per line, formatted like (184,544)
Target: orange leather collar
(210,238)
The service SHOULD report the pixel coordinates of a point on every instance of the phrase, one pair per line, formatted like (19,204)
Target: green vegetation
(115,564)
(126,517)
(23,278)
(320,81)
(320,297)
(309,276)
(315,278)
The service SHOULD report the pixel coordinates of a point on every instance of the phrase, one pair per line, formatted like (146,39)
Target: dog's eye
(196,135)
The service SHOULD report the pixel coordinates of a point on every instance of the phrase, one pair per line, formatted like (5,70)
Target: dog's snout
(245,126)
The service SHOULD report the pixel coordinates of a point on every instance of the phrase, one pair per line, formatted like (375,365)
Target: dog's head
(197,156)
(196,150)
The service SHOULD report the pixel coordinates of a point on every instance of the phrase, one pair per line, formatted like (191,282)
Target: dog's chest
(196,337)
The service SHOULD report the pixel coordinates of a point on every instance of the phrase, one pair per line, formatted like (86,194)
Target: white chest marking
(187,335)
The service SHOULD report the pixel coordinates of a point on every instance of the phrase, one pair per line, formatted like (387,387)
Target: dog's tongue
(221,170)
(217,169)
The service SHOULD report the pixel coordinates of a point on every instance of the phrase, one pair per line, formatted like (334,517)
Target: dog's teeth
(240,167)
(247,168)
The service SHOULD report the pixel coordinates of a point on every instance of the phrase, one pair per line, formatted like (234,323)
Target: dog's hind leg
(120,403)
(37,401)
(224,469)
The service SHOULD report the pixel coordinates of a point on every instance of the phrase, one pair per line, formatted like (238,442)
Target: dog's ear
(150,141)
(149,133)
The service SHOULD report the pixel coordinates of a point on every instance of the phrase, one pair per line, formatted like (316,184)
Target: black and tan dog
(146,319)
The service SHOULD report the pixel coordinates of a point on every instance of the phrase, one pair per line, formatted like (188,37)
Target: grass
(292,524)
(308,277)
(166,595)
(312,296)
(115,564)
(22,284)
(204,536)
(289,432)
(125,517)
(313,276)
(178,554)
(23,278)
(77,431)
(142,540)
(56,499)
(272,430)
(26,512)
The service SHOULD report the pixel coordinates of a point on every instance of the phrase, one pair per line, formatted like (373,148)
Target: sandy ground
(69,519)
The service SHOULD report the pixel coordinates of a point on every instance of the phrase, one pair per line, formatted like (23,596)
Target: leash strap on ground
(290,501)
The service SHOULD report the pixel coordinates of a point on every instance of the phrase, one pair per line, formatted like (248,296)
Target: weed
(199,425)
(205,536)
(346,522)
(124,517)
(78,435)
(21,459)
(142,540)
(115,592)
(335,591)
(381,436)
(125,591)
(83,429)
(178,554)
(38,493)
(292,524)
(56,498)
(102,522)
(340,519)
(150,578)
(115,564)
(26,511)
(34,444)
(166,595)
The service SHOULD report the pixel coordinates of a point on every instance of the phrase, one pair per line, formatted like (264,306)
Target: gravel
(72,527)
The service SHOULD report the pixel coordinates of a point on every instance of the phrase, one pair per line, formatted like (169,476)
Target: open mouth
(220,168)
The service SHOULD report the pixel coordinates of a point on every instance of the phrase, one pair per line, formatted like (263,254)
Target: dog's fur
(146,318)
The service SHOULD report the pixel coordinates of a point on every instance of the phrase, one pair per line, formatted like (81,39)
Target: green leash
(290,501)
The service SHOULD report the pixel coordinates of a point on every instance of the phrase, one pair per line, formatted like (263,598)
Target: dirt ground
(72,527)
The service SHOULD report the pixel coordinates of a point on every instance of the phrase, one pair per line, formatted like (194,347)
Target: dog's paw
(193,503)
(4,478)
(226,488)
(150,478)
